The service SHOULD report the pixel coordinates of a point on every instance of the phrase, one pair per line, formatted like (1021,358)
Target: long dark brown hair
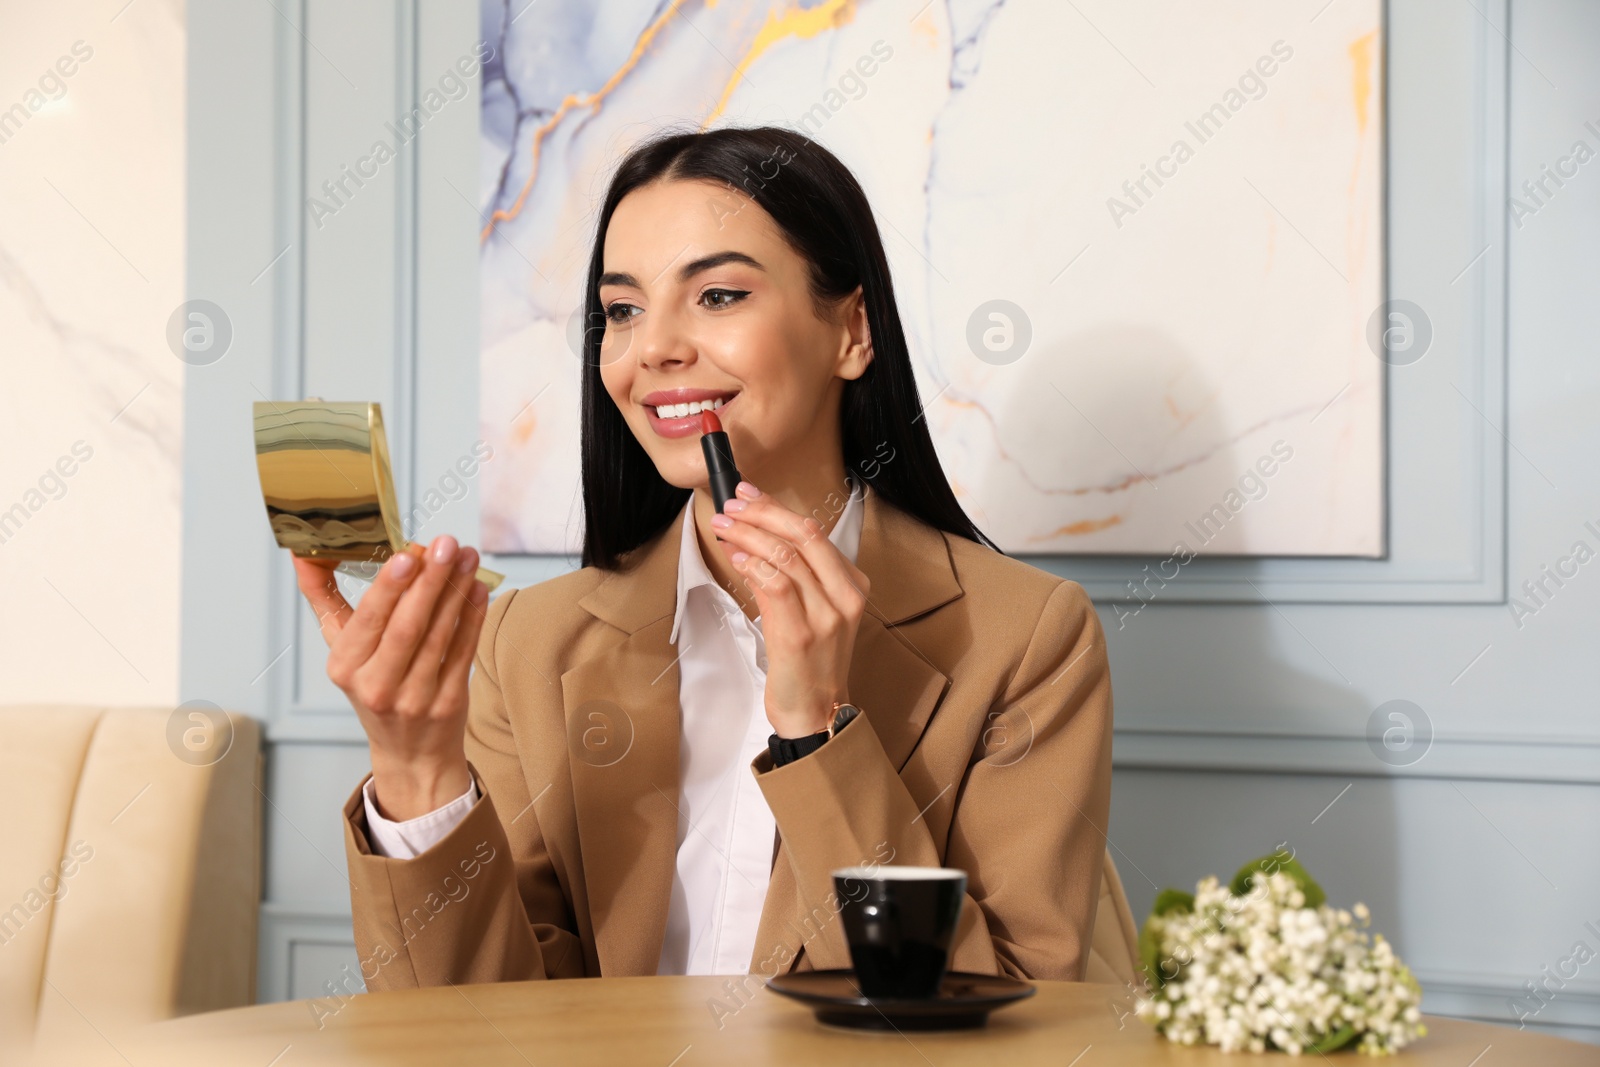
(822,212)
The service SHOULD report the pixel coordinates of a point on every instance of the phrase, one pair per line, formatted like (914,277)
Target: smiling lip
(683,425)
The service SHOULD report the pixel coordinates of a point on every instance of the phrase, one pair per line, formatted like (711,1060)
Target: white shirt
(726,832)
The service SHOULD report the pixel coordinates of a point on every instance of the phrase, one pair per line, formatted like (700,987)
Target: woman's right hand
(403,657)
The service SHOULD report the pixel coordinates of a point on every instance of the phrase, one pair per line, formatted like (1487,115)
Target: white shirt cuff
(411,838)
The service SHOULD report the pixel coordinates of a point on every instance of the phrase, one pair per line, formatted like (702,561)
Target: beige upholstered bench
(1114,946)
(130,875)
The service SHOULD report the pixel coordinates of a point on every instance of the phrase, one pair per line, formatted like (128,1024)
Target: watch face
(845,713)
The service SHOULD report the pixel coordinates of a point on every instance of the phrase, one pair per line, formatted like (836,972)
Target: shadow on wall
(1213,669)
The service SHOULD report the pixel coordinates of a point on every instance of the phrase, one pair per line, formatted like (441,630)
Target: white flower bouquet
(1265,963)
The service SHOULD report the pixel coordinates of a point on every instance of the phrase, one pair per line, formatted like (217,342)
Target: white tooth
(693,407)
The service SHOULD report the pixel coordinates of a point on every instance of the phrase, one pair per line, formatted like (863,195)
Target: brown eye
(733,296)
(613,309)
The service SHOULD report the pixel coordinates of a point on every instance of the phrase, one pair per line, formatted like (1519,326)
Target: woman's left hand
(810,598)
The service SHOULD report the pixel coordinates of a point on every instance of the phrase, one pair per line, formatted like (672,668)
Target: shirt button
(761,660)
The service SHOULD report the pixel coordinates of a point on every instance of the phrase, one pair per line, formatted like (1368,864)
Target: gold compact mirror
(328,485)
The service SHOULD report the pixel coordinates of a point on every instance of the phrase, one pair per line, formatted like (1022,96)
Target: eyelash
(736,294)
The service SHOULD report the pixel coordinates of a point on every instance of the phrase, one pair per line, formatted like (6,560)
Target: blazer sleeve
(483,904)
(1028,830)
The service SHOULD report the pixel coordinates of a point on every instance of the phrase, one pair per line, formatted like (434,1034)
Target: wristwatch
(788,749)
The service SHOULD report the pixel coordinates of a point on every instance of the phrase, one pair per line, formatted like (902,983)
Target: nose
(661,343)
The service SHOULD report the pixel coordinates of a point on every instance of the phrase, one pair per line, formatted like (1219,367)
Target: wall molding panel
(1501,759)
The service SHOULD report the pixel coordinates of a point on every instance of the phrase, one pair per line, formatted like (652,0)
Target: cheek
(777,360)
(616,379)
(780,400)
(794,376)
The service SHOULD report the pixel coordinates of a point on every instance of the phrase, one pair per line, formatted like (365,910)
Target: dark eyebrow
(687,271)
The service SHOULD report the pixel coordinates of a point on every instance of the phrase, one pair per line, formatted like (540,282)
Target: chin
(679,476)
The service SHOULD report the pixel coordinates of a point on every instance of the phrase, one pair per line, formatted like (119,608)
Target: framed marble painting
(1138,249)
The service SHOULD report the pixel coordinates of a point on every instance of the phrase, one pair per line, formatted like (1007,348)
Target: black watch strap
(788,749)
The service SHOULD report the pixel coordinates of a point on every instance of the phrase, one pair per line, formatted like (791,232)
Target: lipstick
(725,476)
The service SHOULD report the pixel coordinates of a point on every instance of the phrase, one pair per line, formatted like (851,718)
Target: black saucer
(964,1001)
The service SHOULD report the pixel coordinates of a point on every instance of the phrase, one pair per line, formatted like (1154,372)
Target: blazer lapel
(893,682)
(896,686)
(623,729)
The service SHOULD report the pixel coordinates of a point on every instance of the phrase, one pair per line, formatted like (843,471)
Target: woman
(655,767)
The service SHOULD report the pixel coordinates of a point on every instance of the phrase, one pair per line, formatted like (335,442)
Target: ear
(855,349)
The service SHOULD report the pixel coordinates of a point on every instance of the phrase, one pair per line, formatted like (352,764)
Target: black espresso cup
(899,922)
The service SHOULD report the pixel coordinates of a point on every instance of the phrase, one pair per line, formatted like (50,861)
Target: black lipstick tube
(724,474)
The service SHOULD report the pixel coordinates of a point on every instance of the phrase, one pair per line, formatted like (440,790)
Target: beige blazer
(984,744)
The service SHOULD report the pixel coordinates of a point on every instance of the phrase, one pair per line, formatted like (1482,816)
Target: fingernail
(464,565)
(749,490)
(444,549)
(739,557)
(401,566)
(734,506)
(721,522)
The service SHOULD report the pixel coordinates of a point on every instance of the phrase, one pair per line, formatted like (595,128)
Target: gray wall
(1245,690)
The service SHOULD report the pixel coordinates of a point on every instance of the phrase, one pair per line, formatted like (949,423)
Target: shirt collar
(692,570)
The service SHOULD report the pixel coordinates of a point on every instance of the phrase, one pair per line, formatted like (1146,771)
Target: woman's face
(704,298)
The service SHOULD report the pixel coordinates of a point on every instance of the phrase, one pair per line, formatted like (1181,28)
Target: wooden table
(669,1022)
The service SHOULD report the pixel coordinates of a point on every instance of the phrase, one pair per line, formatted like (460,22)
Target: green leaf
(1150,954)
(1275,863)
(1167,901)
(1336,1040)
